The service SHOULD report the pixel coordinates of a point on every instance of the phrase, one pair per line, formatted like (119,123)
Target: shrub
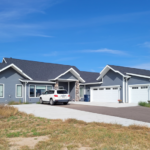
(145,104)
(7,111)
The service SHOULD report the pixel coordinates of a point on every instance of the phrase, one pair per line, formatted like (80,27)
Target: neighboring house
(25,80)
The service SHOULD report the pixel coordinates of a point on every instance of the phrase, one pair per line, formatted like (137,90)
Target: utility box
(87,98)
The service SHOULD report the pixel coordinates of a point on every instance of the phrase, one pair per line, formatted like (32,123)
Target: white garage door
(138,93)
(105,94)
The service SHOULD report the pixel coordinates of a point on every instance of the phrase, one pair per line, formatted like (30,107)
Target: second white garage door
(105,94)
(138,93)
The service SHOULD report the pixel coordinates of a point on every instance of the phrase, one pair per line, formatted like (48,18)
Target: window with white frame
(81,91)
(19,91)
(1,90)
(39,90)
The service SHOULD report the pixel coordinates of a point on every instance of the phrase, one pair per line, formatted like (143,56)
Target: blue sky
(86,33)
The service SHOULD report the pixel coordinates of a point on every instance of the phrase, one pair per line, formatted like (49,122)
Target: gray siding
(33,99)
(72,90)
(68,75)
(10,78)
(138,80)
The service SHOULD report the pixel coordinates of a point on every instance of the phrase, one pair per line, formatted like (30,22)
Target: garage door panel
(108,94)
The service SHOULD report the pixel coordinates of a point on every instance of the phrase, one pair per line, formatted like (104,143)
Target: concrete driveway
(80,112)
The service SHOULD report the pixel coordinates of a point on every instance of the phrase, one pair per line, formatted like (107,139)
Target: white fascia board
(109,86)
(36,81)
(17,69)
(108,67)
(4,60)
(91,83)
(73,72)
(138,75)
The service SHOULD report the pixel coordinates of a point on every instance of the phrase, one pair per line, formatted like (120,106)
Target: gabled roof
(89,76)
(125,70)
(39,70)
(42,71)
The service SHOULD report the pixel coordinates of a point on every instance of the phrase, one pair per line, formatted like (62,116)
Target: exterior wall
(68,75)
(72,90)
(10,78)
(33,99)
(138,80)
(112,78)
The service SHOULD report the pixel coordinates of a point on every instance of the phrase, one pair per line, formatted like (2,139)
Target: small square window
(101,89)
(134,87)
(107,88)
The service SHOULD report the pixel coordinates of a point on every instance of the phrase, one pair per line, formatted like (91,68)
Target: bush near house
(144,104)
(70,134)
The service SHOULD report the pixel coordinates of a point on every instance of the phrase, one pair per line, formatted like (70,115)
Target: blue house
(26,80)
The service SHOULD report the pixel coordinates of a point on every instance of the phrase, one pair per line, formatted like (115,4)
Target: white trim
(138,85)
(108,86)
(143,76)
(4,60)
(3,90)
(73,72)
(91,83)
(123,93)
(65,80)
(108,67)
(21,91)
(33,81)
(17,69)
(126,90)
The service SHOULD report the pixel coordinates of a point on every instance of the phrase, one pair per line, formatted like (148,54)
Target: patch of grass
(17,103)
(145,104)
(72,133)
(37,102)
(13,134)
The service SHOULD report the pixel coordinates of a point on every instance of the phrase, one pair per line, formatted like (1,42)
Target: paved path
(62,112)
(135,113)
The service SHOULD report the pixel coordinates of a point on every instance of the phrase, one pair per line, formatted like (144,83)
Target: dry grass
(70,134)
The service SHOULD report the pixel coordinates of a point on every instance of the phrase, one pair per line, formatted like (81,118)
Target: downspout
(126,90)
(123,99)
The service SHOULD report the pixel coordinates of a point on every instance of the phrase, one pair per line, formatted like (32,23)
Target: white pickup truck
(55,96)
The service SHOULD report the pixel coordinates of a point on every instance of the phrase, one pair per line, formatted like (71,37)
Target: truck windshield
(61,92)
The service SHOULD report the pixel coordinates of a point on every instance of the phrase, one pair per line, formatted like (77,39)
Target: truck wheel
(51,102)
(41,101)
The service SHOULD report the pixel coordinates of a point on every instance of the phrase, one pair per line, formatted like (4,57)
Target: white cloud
(105,50)
(142,66)
(146,44)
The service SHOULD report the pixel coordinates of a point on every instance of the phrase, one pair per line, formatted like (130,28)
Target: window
(134,87)
(49,87)
(101,89)
(107,88)
(144,87)
(81,91)
(61,87)
(1,90)
(19,91)
(94,89)
(40,90)
(115,88)
(62,92)
(32,90)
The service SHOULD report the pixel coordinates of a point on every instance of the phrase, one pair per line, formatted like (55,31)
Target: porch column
(56,85)
(68,87)
(25,94)
(77,88)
